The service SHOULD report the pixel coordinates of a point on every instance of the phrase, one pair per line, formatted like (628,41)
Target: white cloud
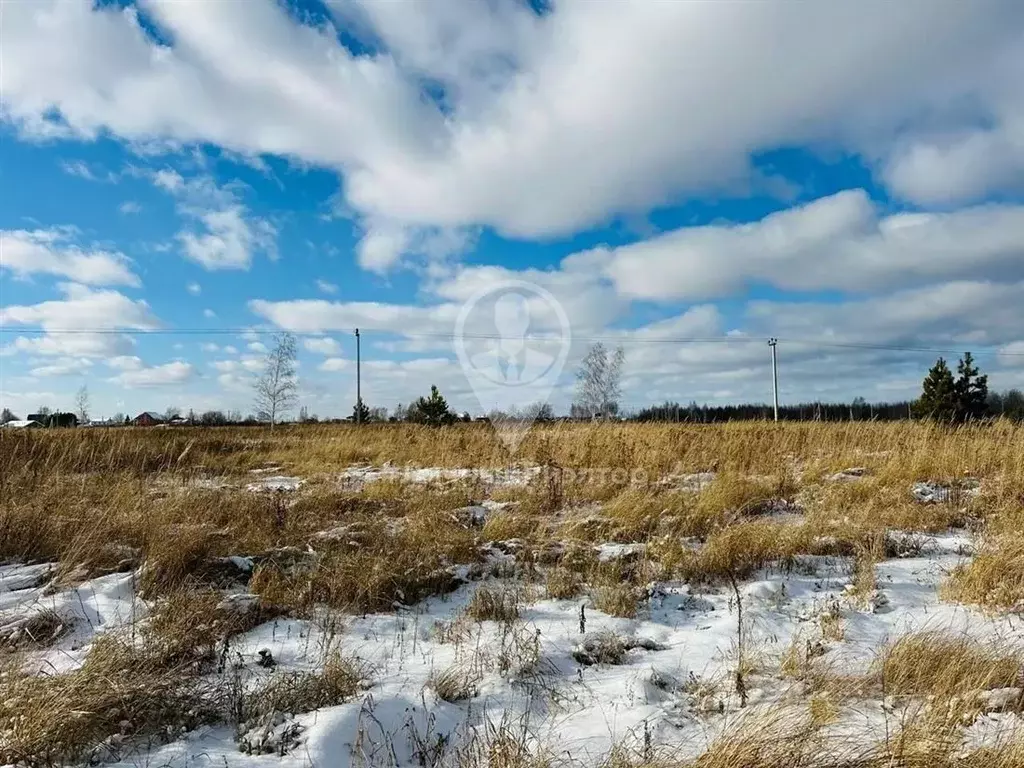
(226,236)
(64,366)
(334,364)
(229,240)
(194,288)
(258,347)
(684,95)
(319,316)
(129,207)
(169,374)
(83,324)
(323,346)
(840,242)
(209,347)
(209,314)
(48,252)
(325,287)
(79,169)
(126,363)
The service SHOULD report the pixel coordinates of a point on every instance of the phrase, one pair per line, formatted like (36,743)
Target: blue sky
(179,181)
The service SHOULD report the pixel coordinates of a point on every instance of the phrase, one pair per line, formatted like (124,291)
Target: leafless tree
(82,404)
(277,386)
(599,381)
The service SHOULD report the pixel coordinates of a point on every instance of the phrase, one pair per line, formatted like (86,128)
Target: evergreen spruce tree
(360,412)
(971,390)
(432,411)
(938,395)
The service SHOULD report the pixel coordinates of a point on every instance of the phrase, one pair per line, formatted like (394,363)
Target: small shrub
(500,605)
(562,583)
(932,663)
(300,692)
(619,600)
(457,683)
(994,578)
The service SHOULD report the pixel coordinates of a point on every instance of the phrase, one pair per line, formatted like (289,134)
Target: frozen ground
(672,686)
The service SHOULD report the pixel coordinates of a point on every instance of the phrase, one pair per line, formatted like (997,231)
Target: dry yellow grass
(173,502)
(994,578)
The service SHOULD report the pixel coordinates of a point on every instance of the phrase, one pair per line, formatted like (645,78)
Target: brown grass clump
(936,664)
(994,578)
(190,626)
(37,630)
(740,550)
(299,692)
(454,684)
(119,692)
(621,600)
(562,583)
(501,605)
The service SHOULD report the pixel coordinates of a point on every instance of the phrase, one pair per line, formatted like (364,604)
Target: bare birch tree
(82,405)
(599,382)
(276,388)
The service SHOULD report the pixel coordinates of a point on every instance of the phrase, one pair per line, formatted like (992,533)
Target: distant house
(54,419)
(147,419)
(22,424)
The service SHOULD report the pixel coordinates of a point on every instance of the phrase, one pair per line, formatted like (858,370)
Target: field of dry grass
(218,539)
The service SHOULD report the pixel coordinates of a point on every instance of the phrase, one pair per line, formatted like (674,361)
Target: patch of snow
(606,553)
(281,483)
(848,475)
(937,493)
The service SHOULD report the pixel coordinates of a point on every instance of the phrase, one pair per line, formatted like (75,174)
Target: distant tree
(360,413)
(234,417)
(401,413)
(191,416)
(432,411)
(1013,404)
(82,404)
(599,381)
(539,411)
(378,414)
(276,387)
(971,390)
(7,415)
(303,415)
(938,395)
(213,419)
(118,418)
(172,412)
(44,410)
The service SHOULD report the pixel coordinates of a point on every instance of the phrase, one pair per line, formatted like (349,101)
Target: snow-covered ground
(673,687)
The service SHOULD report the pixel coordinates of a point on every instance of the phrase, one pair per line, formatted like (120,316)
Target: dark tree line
(944,398)
(858,410)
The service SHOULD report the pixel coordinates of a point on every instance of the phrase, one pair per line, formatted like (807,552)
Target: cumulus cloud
(85,323)
(841,242)
(684,94)
(50,252)
(326,287)
(194,288)
(322,346)
(64,366)
(169,374)
(225,235)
